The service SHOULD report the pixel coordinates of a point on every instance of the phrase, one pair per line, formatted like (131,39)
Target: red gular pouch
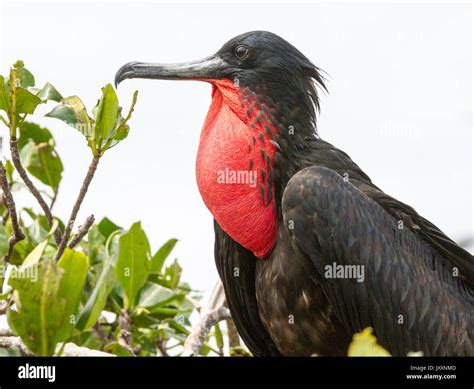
(232,168)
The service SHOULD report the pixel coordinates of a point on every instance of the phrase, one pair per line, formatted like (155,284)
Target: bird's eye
(241,51)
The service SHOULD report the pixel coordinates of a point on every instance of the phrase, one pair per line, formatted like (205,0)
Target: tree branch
(15,342)
(214,313)
(77,205)
(17,232)
(6,332)
(69,350)
(125,334)
(81,232)
(31,187)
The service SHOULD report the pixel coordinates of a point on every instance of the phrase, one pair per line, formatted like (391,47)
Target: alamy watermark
(345,272)
(237,177)
(29,273)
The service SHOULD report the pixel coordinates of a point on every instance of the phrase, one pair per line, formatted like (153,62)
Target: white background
(400,102)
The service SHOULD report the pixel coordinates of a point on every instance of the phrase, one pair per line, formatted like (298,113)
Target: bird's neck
(234,168)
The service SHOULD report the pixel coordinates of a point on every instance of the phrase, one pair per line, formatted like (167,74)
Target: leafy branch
(18,101)
(103,290)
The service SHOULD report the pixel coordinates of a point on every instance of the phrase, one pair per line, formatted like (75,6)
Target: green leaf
(3,241)
(73,112)
(219,338)
(173,275)
(106,227)
(122,129)
(22,249)
(40,311)
(154,295)
(75,265)
(116,349)
(4,98)
(49,92)
(40,158)
(160,256)
(43,163)
(95,247)
(65,114)
(98,298)
(35,255)
(166,312)
(9,169)
(24,75)
(38,230)
(26,102)
(105,114)
(32,131)
(133,263)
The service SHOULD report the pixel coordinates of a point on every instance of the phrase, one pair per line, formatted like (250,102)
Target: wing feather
(409,294)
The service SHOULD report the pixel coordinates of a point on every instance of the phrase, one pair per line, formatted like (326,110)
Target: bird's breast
(293,307)
(231,173)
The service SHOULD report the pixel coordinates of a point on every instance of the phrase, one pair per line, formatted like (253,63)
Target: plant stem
(81,232)
(53,200)
(29,184)
(17,233)
(77,205)
(12,111)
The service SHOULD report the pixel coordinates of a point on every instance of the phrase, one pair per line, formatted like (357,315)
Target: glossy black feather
(236,267)
(409,295)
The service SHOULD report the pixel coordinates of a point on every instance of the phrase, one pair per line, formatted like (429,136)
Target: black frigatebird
(309,250)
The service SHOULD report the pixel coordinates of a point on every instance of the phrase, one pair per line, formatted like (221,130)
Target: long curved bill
(203,69)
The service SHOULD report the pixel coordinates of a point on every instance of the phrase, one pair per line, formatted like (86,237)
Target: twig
(31,187)
(214,313)
(17,232)
(102,335)
(6,332)
(125,334)
(15,342)
(77,205)
(198,335)
(81,232)
(69,349)
(232,334)
(161,347)
(53,200)
(73,350)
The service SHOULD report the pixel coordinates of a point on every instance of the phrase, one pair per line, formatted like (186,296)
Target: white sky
(400,102)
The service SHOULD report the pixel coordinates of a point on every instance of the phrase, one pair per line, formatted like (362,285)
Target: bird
(309,250)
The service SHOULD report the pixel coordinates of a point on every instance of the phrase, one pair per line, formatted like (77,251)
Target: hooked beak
(211,67)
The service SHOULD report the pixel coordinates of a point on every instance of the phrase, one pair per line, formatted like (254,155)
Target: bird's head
(257,62)
(263,109)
